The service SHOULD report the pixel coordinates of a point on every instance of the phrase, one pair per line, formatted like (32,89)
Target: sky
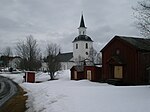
(56,21)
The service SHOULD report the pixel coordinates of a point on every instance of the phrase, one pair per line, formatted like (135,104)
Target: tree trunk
(51,75)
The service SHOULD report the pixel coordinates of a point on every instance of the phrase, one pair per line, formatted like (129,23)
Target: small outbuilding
(29,76)
(91,73)
(77,72)
(127,59)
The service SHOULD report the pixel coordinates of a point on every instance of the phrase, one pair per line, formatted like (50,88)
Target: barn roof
(142,44)
(65,57)
(139,43)
(82,38)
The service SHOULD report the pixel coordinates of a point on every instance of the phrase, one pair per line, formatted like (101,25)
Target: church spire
(82,22)
(82,28)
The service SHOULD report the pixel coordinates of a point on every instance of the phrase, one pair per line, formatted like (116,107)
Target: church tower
(82,43)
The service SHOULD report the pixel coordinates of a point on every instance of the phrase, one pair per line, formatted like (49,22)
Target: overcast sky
(57,21)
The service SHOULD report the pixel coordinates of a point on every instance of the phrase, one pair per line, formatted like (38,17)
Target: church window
(76,46)
(86,45)
(86,53)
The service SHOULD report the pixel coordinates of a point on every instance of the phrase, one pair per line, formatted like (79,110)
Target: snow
(18,78)
(65,95)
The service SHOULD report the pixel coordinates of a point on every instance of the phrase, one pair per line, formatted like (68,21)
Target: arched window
(76,46)
(86,45)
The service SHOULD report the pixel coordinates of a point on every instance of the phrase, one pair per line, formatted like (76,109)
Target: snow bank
(65,95)
(18,78)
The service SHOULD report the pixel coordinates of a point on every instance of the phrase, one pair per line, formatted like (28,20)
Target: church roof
(65,57)
(82,38)
(82,22)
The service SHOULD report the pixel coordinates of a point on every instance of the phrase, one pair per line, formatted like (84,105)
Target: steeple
(82,43)
(82,28)
(82,22)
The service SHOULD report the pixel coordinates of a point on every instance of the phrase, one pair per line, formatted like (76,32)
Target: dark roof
(138,43)
(141,44)
(65,57)
(82,22)
(82,38)
(79,68)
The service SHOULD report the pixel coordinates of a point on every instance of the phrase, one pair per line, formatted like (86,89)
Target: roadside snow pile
(18,78)
(39,77)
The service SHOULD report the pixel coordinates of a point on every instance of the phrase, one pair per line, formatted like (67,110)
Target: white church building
(81,48)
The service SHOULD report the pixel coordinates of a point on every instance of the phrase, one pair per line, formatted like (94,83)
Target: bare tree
(79,61)
(142,13)
(52,60)
(29,53)
(92,55)
(98,58)
(7,52)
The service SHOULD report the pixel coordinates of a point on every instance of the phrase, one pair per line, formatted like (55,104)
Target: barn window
(118,72)
(86,45)
(76,46)
(117,51)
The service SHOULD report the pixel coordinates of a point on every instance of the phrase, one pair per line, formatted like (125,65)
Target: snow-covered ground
(65,95)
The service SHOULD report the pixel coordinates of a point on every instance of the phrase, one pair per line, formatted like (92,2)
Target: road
(7,89)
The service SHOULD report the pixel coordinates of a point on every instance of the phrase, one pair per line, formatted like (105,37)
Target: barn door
(89,75)
(75,75)
(118,72)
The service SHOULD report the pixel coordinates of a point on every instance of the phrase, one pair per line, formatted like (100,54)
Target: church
(81,48)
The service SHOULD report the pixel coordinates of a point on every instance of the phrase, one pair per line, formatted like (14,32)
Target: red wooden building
(29,76)
(127,59)
(77,72)
(91,73)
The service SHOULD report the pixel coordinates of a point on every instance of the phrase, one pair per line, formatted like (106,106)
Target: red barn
(127,59)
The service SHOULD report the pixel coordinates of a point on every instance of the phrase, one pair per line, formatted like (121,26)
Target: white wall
(82,31)
(66,65)
(81,51)
(44,66)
